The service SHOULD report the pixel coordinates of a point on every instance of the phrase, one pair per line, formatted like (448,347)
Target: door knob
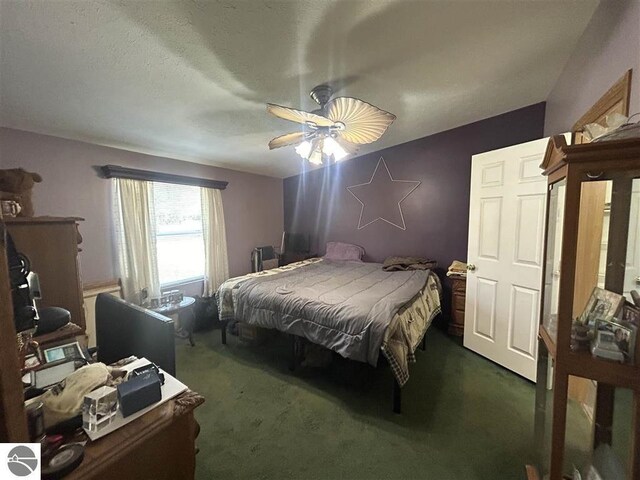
(471,267)
(637,280)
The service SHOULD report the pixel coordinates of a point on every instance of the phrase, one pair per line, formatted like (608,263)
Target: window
(179,238)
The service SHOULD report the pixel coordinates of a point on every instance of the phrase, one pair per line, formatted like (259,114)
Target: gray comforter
(344,306)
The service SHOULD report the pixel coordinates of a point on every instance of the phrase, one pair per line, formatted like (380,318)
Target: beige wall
(71,187)
(609,47)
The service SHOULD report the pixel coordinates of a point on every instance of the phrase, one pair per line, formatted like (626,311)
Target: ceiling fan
(335,130)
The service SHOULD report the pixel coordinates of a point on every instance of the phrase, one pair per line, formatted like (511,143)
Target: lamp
(320,147)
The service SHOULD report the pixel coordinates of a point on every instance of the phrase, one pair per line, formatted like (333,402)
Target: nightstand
(458,298)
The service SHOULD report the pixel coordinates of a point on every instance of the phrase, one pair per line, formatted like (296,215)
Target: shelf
(583,364)
(548,341)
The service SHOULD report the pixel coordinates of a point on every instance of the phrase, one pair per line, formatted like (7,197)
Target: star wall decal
(381,197)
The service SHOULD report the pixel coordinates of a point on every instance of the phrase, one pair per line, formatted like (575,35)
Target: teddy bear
(19,183)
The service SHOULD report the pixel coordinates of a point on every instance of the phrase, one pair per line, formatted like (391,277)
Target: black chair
(124,329)
(263,258)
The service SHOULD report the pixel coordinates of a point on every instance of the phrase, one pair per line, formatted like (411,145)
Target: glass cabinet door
(555,221)
(551,287)
(606,277)
(632,264)
(607,272)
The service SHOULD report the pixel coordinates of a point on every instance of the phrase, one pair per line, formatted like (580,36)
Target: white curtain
(216,268)
(135,238)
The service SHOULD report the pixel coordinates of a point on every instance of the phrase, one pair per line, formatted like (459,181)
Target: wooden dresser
(159,445)
(458,298)
(51,244)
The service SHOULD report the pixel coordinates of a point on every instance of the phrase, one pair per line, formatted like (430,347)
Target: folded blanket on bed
(396,264)
(408,327)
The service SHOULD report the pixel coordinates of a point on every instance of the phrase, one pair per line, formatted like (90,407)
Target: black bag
(24,312)
(205,312)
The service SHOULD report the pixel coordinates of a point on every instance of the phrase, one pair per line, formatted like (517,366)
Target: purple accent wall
(609,46)
(436,213)
(71,187)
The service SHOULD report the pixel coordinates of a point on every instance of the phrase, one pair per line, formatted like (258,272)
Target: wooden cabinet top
(559,153)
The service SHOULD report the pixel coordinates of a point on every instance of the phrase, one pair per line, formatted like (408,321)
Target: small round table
(174,310)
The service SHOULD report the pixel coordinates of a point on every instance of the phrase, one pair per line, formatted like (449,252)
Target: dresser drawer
(458,298)
(458,302)
(459,287)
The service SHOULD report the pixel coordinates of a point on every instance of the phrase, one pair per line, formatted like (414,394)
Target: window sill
(181,283)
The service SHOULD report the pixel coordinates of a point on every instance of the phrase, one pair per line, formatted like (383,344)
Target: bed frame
(295,358)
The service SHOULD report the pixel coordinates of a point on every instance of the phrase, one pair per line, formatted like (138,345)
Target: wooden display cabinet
(52,245)
(592,239)
(13,422)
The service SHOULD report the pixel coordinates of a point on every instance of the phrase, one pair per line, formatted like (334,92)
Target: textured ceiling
(190,79)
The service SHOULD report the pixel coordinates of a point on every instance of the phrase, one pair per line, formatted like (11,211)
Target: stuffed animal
(19,182)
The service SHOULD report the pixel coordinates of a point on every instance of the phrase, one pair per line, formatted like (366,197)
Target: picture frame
(603,305)
(31,361)
(630,314)
(614,337)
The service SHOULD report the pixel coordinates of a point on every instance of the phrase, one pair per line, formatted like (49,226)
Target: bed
(353,308)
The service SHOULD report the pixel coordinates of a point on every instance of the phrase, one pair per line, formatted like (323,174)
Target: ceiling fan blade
(297,116)
(287,139)
(364,123)
(350,148)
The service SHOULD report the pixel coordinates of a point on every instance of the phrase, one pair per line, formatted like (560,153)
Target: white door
(506,234)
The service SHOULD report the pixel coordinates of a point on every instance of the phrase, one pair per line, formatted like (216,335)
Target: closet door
(506,234)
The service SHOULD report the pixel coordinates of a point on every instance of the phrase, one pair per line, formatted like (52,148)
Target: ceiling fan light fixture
(333,148)
(316,157)
(317,146)
(304,149)
(315,150)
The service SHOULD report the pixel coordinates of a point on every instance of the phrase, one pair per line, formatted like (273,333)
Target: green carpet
(463,416)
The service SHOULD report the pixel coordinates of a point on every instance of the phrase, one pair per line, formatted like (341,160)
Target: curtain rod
(115,171)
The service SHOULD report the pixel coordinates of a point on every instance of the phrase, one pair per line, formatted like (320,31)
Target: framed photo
(616,337)
(630,314)
(603,305)
(31,361)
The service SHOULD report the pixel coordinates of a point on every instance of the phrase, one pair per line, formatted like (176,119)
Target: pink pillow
(344,251)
